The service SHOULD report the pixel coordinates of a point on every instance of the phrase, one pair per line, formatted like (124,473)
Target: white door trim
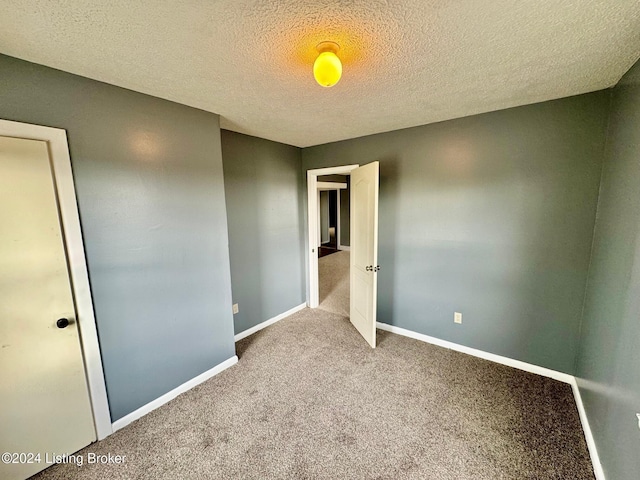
(61,166)
(319,229)
(331,186)
(338,218)
(313,219)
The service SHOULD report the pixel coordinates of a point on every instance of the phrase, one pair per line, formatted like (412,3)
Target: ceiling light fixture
(327,69)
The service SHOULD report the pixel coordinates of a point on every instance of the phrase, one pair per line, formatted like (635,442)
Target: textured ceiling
(406,63)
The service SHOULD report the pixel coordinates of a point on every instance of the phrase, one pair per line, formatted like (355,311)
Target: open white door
(364,250)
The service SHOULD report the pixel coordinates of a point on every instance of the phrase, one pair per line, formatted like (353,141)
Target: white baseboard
(510,362)
(346,248)
(588,435)
(158,402)
(271,321)
(527,367)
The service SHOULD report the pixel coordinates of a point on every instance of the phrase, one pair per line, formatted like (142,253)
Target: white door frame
(313,218)
(338,219)
(63,177)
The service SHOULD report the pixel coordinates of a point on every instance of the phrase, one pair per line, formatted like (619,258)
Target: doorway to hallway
(333,214)
(363,239)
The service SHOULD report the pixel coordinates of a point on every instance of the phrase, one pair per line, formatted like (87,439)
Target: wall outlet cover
(235,308)
(457,317)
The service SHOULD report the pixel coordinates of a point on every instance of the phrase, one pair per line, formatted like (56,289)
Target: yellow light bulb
(327,69)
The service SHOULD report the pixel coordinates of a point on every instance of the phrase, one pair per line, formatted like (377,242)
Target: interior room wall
(148,178)
(263,186)
(608,367)
(491,216)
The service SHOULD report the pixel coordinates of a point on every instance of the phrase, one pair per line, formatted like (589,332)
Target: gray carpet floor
(333,282)
(310,400)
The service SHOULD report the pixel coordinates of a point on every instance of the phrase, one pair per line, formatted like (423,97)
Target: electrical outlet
(235,308)
(638,415)
(457,317)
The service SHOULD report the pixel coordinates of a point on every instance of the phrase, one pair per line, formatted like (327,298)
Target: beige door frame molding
(61,168)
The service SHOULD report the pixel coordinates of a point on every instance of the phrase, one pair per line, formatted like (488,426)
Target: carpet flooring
(333,282)
(309,399)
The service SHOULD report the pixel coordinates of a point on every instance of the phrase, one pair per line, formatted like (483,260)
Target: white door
(44,399)
(364,250)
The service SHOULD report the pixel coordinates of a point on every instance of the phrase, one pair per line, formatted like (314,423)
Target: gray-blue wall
(608,367)
(491,216)
(263,185)
(148,177)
